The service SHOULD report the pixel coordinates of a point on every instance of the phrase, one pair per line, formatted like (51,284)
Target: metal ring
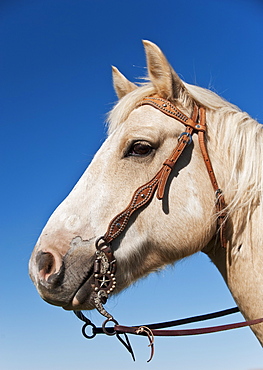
(101,245)
(188,135)
(93,330)
(104,326)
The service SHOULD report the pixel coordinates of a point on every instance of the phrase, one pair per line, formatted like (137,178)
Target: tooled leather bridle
(105,263)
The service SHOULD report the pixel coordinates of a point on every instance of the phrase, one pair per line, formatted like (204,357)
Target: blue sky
(55,71)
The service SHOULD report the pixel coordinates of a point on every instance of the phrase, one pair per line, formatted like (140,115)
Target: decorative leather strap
(170,110)
(184,140)
(144,193)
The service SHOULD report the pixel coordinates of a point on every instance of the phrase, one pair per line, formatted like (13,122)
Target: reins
(152,330)
(105,264)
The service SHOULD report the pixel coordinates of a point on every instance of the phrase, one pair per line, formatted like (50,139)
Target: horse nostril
(48,264)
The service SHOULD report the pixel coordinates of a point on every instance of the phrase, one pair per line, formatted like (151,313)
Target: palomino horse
(180,222)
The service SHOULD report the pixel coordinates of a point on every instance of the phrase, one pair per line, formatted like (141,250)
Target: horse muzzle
(64,281)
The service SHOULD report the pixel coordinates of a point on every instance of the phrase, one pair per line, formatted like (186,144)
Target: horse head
(140,138)
(170,227)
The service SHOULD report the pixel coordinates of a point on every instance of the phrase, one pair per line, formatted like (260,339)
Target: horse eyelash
(128,152)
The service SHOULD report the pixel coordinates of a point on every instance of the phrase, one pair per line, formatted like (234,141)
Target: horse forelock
(126,105)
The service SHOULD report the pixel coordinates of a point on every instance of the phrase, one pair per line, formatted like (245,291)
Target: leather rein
(105,263)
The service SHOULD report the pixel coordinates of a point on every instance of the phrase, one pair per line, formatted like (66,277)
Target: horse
(177,224)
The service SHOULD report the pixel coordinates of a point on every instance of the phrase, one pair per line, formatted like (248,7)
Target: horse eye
(140,149)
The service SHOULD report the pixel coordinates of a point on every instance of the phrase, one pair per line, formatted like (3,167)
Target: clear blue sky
(55,71)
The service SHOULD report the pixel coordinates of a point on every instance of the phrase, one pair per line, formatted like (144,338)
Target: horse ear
(164,78)
(121,85)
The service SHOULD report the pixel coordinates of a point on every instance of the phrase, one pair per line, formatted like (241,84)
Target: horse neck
(241,175)
(241,267)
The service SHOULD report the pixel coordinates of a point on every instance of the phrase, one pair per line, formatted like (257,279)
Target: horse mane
(235,135)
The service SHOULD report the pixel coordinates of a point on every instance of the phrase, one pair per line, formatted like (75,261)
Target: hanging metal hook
(145,330)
